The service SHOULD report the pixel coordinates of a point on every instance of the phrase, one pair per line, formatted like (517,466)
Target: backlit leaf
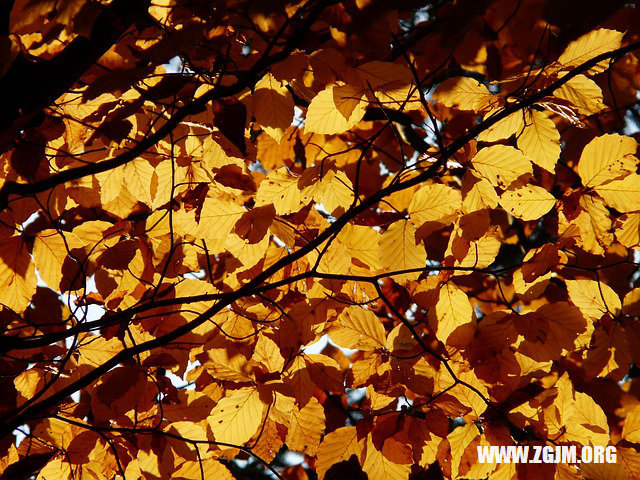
(335,110)
(280,188)
(583,93)
(593,298)
(338,446)
(237,416)
(358,328)
(452,311)
(272,106)
(463,93)
(540,140)
(306,428)
(607,158)
(399,251)
(623,195)
(631,429)
(434,203)
(529,202)
(501,165)
(591,45)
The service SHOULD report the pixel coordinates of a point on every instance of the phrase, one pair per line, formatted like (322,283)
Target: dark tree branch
(29,86)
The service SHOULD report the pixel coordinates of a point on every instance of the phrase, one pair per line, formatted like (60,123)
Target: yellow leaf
(217,219)
(338,192)
(392,83)
(628,233)
(607,158)
(453,310)
(478,193)
(306,428)
(468,397)
(189,430)
(435,203)
(604,471)
(463,93)
(56,469)
(591,45)
(168,178)
(29,382)
(334,190)
(630,458)
(540,140)
(111,183)
(50,250)
(398,250)
(137,177)
(510,125)
(268,353)
(18,280)
(248,253)
(481,253)
(335,259)
(501,164)
(95,350)
(583,93)
(228,364)
(358,328)
(280,188)
(362,244)
(272,106)
(529,202)
(623,195)
(593,298)
(594,224)
(385,465)
(335,110)
(336,447)
(214,156)
(588,424)
(631,429)
(237,416)
(564,405)
(459,440)
(212,469)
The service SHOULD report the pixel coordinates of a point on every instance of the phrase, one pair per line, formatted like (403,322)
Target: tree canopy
(318,239)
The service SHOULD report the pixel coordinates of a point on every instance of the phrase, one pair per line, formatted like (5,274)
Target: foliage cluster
(201,201)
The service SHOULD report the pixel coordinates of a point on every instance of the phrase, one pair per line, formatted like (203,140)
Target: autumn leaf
(399,251)
(540,140)
(434,203)
(17,274)
(338,446)
(306,428)
(583,93)
(593,297)
(511,125)
(272,106)
(529,202)
(317,239)
(335,109)
(631,429)
(237,416)
(217,219)
(589,46)
(358,328)
(453,312)
(501,165)
(622,194)
(280,189)
(607,158)
(463,93)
